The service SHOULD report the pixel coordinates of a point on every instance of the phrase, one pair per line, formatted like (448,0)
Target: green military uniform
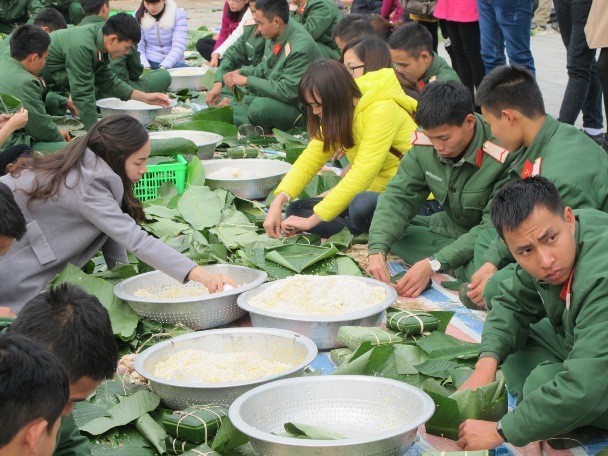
(69,440)
(40,132)
(551,344)
(247,50)
(78,62)
(129,69)
(439,70)
(273,84)
(569,159)
(319,18)
(464,188)
(70,9)
(17,12)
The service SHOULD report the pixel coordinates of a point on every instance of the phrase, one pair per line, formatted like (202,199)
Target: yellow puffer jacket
(382,118)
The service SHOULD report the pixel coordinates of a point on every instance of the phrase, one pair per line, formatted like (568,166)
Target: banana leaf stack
(354,336)
(178,446)
(197,424)
(202,450)
(411,322)
(340,355)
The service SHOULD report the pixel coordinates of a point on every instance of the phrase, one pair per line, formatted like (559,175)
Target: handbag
(423,8)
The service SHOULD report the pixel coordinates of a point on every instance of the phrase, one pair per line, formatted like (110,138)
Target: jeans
(505,21)
(357,217)
(156,65)
(464,37)
(583,91)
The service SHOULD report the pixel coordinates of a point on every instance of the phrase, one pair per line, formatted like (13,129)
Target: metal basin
(190,78)
(285,345)
(269,172)
(378,416)
(144,113)
(323,330)
(202,312)
(205,141)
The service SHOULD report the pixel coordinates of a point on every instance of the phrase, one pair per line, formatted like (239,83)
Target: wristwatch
(500,431)
(435,264)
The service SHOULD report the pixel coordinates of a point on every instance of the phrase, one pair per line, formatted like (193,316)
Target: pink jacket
(230,21)
(457,10)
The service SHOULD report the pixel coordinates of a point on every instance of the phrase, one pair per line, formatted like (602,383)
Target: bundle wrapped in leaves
(411,321)
(456,453)
(196,424)
(202,450)
(340,355)
(353,336)
(178,446)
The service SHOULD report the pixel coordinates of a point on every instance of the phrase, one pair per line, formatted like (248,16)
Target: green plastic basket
(147,187)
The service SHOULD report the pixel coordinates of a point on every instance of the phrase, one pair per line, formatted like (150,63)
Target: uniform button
(453,189)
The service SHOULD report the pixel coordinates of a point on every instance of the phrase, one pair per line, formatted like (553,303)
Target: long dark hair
(375,55)
(331,85)
(113,139)
(142,9)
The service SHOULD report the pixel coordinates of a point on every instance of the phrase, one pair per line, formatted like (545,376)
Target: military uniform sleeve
(399,203)
(34,7)
(257,71)
(304,169)
(133,62)
(319,19)
(233,58)
(69,440)
(575,397)
(284,89)
(381,125)
(39,126)
(55,104)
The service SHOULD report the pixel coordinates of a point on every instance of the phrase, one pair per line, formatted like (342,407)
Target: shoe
(464,298)
(600,139)
(555,26)
(538,30)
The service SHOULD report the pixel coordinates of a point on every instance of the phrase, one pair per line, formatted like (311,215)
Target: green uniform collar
(94,19)
(284,38)
(99,42)
(537,147)
(433,69)
(470,156)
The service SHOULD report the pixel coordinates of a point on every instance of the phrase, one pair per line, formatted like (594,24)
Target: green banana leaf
(159,212)
(200,207)
(353,336)
(320,184)
(235,230)
(221,128)
(308,431)
(292,153)
(85,411)
(195,35)
(172,120)
(228,437)
(287,139)
(172,146)
(340,355)
(224,114)
(9,104)
(208,79)
(341,240)
(411,321)
(196,172)
(297,257)
(177,446)
(152,431)
(78,133)
(69,124)
(439,345)
(238,94)
(159,160)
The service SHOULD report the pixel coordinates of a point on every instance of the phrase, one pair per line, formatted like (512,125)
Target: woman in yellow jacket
(371,121)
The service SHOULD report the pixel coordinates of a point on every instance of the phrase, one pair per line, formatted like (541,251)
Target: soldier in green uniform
(453,157)
(319,18)
(16,12)
(19,77)
(512,104)
(78,62)
(70,9)
(273,84)
(128,67)
(412,53)
(548,325)
(88,332)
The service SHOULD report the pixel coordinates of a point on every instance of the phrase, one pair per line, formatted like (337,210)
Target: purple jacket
(164,41)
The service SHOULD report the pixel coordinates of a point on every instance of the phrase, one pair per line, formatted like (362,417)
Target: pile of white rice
(318,296)
(174,290)
(199,366)
(229,172)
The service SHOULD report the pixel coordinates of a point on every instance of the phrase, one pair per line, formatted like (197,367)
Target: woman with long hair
(79,201)
(370,119)
(164,33)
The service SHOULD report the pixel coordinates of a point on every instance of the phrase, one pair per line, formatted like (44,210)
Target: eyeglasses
(352,69)
(235,2)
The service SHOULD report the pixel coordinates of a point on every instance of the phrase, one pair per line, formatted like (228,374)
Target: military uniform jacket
(128,67)
(283,65)
(247,50)
(572,161)
(17,81)
(77,60)
(577,395)
(319,18)
(17,12)
(439,70)
(464,189)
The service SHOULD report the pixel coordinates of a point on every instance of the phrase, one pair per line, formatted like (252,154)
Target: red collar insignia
(566,293)
(300,9)
(479,158)
(276,49)
(421,84)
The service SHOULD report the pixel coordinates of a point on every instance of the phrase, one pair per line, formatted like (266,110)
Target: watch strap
(501,433)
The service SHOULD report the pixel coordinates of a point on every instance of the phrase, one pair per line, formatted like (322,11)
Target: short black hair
(412,38)
(352,26)
(28,39)
(517,200)
(124,26)
(33,385)
(75,327)
(12,222)
(273,8)
(91,7)
(444,103)
(511,87)
(50,18)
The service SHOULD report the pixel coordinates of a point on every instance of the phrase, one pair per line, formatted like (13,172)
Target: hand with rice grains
(155,98)
(213,282)
(478,435)
(415,280)
(377,267)
(293,225)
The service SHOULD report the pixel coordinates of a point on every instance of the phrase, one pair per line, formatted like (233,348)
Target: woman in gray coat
(81,200)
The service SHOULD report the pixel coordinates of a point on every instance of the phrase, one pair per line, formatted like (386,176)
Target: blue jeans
(584,91)
(156,65)
(357,217)
(505,21)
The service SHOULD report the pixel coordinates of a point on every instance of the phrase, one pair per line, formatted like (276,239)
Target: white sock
(592,131)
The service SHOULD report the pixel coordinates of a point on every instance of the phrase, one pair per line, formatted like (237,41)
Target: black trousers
(602,70)
(466,45)
(205,46)
(10,154)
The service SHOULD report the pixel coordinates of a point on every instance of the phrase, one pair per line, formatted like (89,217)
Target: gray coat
(72,227)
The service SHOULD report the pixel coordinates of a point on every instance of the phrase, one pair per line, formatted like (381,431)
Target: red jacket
(230,21)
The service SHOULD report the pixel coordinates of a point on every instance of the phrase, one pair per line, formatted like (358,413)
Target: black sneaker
(600,140)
